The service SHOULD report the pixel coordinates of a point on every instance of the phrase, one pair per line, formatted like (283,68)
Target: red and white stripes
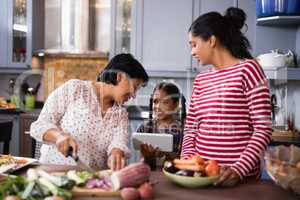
(229,118)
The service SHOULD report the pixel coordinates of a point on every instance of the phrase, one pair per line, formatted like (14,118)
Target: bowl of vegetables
(193,172)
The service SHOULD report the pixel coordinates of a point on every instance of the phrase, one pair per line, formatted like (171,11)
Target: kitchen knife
(79,163)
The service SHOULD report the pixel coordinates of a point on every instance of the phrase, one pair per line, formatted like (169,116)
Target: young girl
(167,112)
(229,117)
(89,117)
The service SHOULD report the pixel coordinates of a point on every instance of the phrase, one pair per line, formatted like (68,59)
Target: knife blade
(79,163)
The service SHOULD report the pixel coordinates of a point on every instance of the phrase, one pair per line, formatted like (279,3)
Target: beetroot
(130,193)
(146,191)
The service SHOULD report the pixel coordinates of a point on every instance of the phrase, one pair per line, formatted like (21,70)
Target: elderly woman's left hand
(116,160)
(228,177)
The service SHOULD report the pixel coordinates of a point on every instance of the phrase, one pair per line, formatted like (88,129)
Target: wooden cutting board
(96,192)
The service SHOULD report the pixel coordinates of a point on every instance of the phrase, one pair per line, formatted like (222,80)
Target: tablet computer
(161,140)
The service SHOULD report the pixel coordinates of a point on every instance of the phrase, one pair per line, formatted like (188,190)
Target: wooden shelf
(283,73)
(279,21)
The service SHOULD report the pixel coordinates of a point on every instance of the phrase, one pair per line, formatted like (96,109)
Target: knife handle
(70,153)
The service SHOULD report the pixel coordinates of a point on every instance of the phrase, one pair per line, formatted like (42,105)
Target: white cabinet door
(160,34)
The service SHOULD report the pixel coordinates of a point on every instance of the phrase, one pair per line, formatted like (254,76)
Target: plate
(15,163)
(190,182)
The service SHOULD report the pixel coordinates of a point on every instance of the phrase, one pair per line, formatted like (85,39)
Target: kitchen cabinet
(26,142)
(14,142)
(159,36)
(21,31)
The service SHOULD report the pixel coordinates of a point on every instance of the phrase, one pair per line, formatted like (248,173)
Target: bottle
(12,97)
(29,99)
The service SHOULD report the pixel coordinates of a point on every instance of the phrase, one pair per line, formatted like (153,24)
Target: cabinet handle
(27,132)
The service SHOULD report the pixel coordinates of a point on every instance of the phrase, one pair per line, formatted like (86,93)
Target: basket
(283,166)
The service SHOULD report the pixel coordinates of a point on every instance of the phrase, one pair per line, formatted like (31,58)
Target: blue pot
(279,7)
(266,8)
(263,8)
(293,7)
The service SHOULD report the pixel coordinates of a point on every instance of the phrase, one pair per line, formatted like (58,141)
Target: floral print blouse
(74,109)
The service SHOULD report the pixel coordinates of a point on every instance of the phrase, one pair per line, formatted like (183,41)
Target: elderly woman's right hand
(64,142)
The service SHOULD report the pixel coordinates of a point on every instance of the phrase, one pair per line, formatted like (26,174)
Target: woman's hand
(64,142)
(228,177)
(116,160)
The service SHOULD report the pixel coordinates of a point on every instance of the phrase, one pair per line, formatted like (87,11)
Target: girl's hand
(63,142)
(116,160)
(228,177)
(148,150)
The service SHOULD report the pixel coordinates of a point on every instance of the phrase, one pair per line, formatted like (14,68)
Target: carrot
(198,159)
(194,167)
(184,161)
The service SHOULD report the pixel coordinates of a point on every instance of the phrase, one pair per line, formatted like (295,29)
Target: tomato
(212,168)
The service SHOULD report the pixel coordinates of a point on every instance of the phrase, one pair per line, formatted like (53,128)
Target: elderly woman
(88,117)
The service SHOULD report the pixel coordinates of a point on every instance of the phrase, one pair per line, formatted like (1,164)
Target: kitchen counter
(285,141)
(19,111)
(166,190)
(10,111)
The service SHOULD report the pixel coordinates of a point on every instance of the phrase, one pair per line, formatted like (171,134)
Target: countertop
(10,111)
(285,140)
(55,53)
(166,190)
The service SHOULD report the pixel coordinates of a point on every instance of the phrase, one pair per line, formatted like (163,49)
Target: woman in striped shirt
(229,116)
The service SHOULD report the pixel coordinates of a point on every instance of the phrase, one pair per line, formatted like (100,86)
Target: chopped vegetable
(60,181)
(28,190)
(85,175)
(32,175)
(72,175)
(54,189)
(103,183)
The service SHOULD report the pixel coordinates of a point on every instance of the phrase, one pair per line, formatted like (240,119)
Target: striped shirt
(229,117)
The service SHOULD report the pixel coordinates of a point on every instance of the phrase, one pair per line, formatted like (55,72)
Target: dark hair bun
(236,17)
